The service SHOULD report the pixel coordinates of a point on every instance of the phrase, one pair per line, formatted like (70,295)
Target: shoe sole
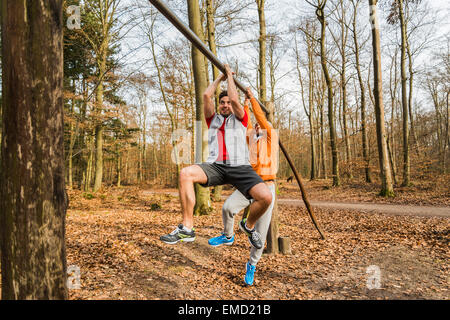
(243,230)
(218,245)
(180,240)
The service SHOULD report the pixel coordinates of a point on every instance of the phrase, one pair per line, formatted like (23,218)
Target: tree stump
(284,244)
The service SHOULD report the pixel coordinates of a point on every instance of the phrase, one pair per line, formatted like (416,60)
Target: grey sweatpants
(237,202)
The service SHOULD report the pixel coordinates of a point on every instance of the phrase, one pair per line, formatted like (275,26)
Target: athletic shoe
(222,239)
(179,234)
(249,273)
(253,236)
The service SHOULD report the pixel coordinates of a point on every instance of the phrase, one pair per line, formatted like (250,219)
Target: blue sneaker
(249,274)
(217,241)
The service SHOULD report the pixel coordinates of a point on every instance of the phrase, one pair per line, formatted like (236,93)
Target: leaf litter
(114,240)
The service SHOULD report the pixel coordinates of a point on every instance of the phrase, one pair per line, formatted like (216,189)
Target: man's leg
(207,175)
(189,176)
(262,200)
(262,226)
(233,205)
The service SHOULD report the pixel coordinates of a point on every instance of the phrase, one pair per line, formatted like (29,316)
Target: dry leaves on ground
(114,239)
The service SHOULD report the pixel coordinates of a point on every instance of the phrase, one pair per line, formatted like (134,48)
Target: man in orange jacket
(263,150)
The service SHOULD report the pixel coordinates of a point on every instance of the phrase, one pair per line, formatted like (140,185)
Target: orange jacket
(263,153)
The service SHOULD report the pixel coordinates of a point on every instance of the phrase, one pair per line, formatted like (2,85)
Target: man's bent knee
(193,174)
(227,208)
(267,197)
(185,174)
(261,193)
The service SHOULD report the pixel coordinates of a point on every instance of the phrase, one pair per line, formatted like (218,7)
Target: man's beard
(225,115)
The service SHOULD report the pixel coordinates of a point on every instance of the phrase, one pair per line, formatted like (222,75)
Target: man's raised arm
(233,95)
(258,112)
(208,104)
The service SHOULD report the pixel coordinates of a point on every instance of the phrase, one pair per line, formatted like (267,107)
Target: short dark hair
(223,94)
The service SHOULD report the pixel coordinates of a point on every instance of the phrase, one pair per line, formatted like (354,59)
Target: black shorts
(242,178)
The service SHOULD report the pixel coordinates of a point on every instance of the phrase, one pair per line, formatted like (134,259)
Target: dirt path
(390,209)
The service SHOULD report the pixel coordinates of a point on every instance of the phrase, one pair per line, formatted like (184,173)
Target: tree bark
(202,194)
(309,111)
(33,201)
(405,112)
(323,153)
(334,152)
(262,51)
(217,190)
(385,172)
(284,243)
(393,92)
(344,35)
(365,140)
(410,94)
(98,131)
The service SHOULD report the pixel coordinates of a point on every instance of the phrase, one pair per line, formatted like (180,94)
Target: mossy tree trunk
(202,195)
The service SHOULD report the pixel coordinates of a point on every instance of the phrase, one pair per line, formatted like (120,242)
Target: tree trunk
(118,165)
(310,110)
(262,51)
(90,162)
(284,243)
(393,91)
(447,136)
(365,140)
(344,35)
(99,125)
(405,112)
(334,152)
(410,94)
(322,144)
(173,124)
(385,172)
(71,142)
(33,201)
(217,190)
(273,231)
(202,194)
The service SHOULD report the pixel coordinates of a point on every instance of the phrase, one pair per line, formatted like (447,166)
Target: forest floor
(113,237)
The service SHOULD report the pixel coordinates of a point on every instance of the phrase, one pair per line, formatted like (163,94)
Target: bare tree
(309,38)
(365,140)
(320,13)
(385,173)
(406,160)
